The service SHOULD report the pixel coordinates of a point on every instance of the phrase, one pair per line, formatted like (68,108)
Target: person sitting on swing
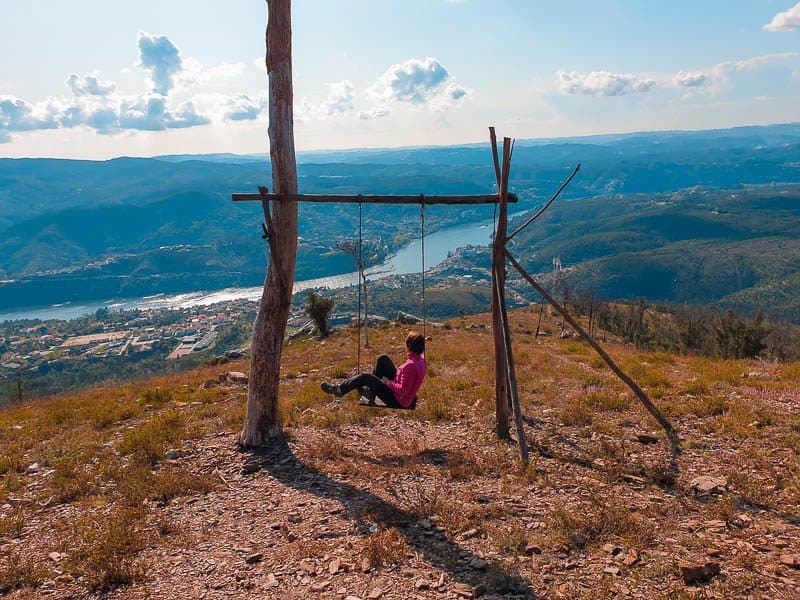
(396,387)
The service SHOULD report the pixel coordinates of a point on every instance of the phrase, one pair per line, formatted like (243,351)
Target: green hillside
(739,249)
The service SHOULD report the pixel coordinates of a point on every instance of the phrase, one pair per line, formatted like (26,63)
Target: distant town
(43,357)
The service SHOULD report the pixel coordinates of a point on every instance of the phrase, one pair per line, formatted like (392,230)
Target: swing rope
(361,273)
(422,245)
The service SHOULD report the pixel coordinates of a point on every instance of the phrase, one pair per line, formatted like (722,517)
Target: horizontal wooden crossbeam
(374,199)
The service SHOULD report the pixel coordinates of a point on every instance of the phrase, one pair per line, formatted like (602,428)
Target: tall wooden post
(501,401)
(263,417)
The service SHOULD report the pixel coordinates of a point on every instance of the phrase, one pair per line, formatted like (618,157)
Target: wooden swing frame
(506,390)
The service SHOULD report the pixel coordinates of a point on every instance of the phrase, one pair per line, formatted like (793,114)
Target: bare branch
(547,205)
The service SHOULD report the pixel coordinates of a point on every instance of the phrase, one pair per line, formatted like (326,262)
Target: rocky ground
(362,503)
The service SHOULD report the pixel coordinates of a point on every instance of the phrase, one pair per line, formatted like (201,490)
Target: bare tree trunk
(263,417)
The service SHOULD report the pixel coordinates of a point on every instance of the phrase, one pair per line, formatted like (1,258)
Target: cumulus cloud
(89,85)
(18,115)
(150,113)
(690,79)
(340,99)
(456,91)
(602,83)
(417,82)
(244,108)
(159,56)
(787,20)
(412,81)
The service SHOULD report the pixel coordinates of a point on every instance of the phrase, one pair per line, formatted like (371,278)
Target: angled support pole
(547,204)
(511,375)
(643,397)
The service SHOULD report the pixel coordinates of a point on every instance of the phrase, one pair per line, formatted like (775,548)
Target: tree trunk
(263,417)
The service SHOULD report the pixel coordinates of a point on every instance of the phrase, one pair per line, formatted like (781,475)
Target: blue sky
(96,79)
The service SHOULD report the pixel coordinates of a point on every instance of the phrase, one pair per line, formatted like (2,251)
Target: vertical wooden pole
(501,401)
(263,417)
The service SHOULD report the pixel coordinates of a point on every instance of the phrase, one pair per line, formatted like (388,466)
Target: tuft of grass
(385,547)
(137,483)
(12,525)
(607,401)
(157,396)
(600,519)
(148,442)
(338,372)
(437,408)
(510,541)
(11,460)
(70,480)
(575,413)
(18,570)
(107,553)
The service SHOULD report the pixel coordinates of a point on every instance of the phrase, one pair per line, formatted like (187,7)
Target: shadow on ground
(366,510)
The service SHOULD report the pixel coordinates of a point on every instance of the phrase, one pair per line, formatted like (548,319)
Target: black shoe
(366,393)
(330,388)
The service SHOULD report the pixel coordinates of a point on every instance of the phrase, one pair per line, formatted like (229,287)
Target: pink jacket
(409,379)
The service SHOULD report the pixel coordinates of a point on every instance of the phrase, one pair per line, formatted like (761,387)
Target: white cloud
(159,56)
(194,73)
(260,64)
(244,108)
(602,83)
(787,20)
(151,113)
(449,97)
(376,112)
(712,79)
(415,82)
(456,91)
(89,85)
(340,99)
(18,115)
(412,81)
(757,62)
(690,79)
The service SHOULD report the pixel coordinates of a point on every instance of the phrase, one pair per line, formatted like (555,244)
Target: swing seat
(378,403)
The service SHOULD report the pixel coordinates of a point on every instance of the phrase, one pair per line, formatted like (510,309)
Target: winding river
(407,260)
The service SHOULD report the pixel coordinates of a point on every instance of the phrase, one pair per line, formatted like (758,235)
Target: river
(407,260)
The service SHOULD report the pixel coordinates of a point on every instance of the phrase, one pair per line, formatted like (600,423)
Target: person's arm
(400,382)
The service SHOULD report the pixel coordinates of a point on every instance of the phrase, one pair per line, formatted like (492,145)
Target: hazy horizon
(545,139)
(152,79)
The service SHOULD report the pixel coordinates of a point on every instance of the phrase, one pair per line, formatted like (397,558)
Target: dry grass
(18,570)
(107,552)
(106,448)
(12,524)
(600,519)
(149,441)
(386,547)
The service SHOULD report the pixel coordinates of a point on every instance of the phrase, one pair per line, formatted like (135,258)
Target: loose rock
(693,574)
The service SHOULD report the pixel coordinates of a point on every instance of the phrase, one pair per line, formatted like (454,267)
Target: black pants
(384,367)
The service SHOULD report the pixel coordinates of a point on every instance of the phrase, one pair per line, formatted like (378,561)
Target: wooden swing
(364,399)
